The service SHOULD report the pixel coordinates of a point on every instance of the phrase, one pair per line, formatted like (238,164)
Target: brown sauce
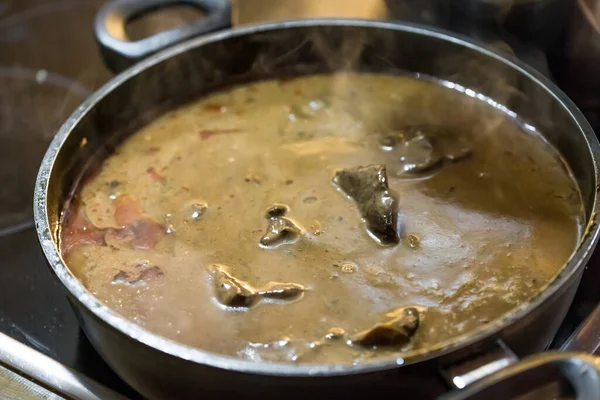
(324,219)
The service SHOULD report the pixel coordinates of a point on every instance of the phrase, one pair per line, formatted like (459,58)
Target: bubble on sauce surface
(387,143)
(347,267)
(317,228)
(335,333)
(307,110)
(310,200)
(281,350)
(195,210)
(413,240)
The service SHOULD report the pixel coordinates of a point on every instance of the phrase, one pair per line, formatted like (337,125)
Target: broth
(242,223)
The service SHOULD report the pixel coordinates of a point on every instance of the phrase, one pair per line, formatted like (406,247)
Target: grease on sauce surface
(219,224)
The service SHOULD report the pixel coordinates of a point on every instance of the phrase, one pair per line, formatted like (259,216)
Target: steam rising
(330,49)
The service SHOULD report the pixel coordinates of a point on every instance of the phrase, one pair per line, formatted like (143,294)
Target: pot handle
(120,53)
(581,371)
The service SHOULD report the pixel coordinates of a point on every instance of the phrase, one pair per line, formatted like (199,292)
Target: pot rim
(144,336)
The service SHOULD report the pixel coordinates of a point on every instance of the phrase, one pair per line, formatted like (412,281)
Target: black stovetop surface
(49,63)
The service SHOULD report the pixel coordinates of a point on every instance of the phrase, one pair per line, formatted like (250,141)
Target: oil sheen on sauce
(219,225)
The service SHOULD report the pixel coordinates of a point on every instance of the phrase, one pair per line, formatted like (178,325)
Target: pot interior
(201,66)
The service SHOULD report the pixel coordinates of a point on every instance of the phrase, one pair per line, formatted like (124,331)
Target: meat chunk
(127,210)
(145,275)
(230,291)
(234,292)
(281,291)
(138,230)
(77,230)
(141,231)
(277,210)
(397,331)
(149,274)
(120,277)
(280,231)
(368,187)
(147,233)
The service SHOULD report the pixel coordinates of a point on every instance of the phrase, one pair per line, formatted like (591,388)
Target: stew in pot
(324,219)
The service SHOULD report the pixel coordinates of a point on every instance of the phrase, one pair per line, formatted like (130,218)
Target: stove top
(48,64)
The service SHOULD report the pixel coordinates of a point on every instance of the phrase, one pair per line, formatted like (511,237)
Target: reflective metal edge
(51,374)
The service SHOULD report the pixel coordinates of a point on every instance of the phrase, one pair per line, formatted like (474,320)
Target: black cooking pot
(162,369)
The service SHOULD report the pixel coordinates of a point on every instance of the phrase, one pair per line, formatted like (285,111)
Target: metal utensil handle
(51,374)
(582,371)
(120,53)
